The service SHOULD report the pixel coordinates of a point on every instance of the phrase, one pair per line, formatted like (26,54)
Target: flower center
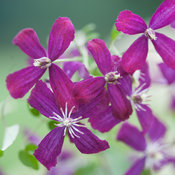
(150,33)
(42,63)
(112,77)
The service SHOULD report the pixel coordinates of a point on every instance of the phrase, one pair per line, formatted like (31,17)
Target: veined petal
(164,15)
(43,100)
(167,72)
(20,82)
(121,106)
(61,35)
(62,87)
(101,55)
(134,58)
(130,23)
(88,143)
(50,147)
(137,167)
(27,40)
(131,136)
(165,47)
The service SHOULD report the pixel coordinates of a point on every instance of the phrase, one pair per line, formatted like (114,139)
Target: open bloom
(62,33)
(66,105)
(152,151)
(130,23)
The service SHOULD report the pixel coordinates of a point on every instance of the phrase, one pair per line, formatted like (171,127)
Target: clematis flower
(152,151)
(62,33)
(64,105)
(117,81)
(130,23)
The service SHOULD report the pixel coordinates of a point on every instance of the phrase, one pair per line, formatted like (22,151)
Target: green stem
(68,60)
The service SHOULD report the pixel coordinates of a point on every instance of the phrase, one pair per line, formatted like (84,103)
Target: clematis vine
(61,35)
(130,23)
(64,106)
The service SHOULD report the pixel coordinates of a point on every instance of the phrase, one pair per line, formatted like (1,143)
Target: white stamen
(43,62)
(150,33)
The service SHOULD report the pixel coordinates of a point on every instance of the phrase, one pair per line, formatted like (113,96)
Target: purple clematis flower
(130,23)
(64,105)
(62,33)
(118,82)
(153,150)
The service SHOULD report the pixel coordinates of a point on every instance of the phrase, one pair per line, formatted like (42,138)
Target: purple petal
(121,106)
(173,24)
(61,35)
(134,58)
(27,40)
(137,167)
(173,103)
(43,100)
(167,72)
(20,82)
(101,55)
(130,23)
(71,67)
(131,136)
(88,143)
(166,49)
(145,117)
(62,87)
(50,147)
(164,15)
(157,130)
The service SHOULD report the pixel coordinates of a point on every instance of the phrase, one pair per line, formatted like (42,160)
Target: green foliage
(1,153)
(88,170)
(51,125)
(30,148)
(146,172)
(33,111)
(114,33)
(28,159)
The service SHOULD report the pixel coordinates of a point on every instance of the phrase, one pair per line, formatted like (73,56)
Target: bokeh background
(40,15)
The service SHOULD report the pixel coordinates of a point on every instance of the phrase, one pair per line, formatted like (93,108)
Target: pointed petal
(88,143)
(130,23)
(71,67)
(157,130)
(166,49)
(121,106)
(145,117)
(62,87)
(61,35)
(167,72)
(50,147)
(137,167)
(164,15)
(134,58)
(131,136)
(27,40)
(101,55)
(43,100)
(20,82)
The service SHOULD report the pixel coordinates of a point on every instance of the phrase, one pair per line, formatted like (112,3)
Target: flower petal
(43,100)
(130,23)
(61,35)
(137,167)
(27,40)
(166,49)
(121,106)
(134,58)
(88,143)
(101,55)
(167,72)
(20,82)
(50,147)
(62,87)
(164,15)
(131,136)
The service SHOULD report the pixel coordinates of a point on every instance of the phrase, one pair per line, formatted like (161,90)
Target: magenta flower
(118,82)
(62,33)
(152,151)
(67,105)
(130,23)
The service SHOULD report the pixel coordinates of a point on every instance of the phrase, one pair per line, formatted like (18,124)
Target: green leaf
(114,33)
(1,153)
(146,172)
(30,148)
(88,170)
(33,111)
(51,125)
(28,160)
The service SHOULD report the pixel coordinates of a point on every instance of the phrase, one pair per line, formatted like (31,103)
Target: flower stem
(68,60)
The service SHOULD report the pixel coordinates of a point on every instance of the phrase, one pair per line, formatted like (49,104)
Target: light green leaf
(30,148)
(51,125)
(114,33)
(33,111)
(146,172)
(1,153)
